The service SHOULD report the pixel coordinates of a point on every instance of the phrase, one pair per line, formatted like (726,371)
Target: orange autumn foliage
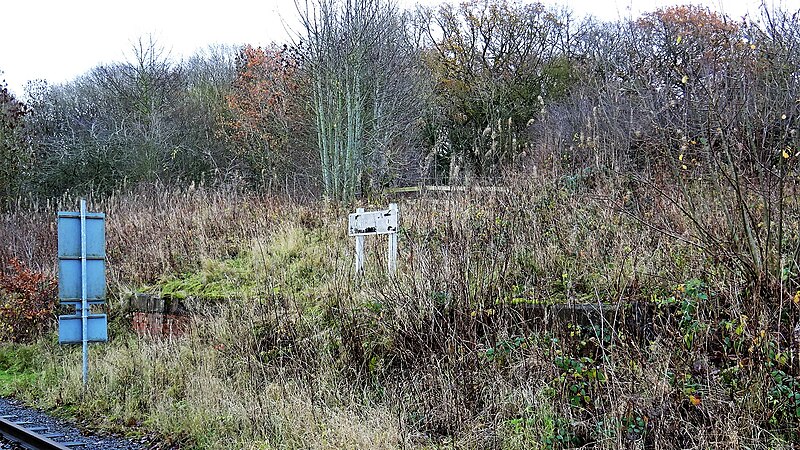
(263,105)
(692,38)
(27,303)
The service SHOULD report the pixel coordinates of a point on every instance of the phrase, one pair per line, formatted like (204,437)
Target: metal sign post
(82,279)
(84,304)
(361,224)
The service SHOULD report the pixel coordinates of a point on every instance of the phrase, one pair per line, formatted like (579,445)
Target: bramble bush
(27,303)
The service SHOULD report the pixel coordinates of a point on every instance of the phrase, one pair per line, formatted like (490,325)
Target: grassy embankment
(465,348)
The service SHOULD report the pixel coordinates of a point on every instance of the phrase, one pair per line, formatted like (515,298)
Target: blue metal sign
(69,235)
(82,278)
(70,280)
(70,329)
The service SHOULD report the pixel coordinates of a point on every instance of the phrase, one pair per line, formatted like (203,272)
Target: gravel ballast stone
(14,411)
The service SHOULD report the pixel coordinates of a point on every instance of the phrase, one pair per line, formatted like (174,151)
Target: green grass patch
(12,382)
(19,367)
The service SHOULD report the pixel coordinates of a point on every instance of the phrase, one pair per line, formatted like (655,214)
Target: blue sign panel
(82,247)
(70,282)
(70,329)
(69,236)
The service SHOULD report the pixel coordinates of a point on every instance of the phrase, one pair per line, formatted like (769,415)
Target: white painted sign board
(363,223)
(372,222)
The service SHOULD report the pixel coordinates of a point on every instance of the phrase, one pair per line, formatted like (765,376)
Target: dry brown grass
(462,349)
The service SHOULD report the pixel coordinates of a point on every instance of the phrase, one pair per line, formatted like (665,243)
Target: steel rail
(27,438)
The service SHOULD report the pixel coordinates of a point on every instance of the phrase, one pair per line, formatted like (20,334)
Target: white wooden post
(359,250)
(392,256)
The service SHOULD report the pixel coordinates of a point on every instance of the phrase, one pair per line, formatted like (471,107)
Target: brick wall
(160,324)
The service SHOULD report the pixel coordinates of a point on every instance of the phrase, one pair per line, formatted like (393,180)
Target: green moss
(230,278)
(291,261)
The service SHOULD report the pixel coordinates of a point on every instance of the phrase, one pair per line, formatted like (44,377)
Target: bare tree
(495,64)
(362,71)
(13,149)
(143,119)
(144,89)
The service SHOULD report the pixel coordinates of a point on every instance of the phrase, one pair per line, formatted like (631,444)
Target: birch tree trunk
(363,73)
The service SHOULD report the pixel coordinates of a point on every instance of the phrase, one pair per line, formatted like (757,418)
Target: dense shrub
(27,303)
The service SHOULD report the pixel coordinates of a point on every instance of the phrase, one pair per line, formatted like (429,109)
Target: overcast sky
(58,40)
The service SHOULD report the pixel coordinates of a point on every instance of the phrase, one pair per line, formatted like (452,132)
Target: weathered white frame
(392,216)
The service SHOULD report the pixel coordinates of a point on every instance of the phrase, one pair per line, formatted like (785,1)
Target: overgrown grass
(20,366)
(542,317)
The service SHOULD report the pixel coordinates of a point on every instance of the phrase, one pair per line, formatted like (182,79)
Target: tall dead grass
(550,315)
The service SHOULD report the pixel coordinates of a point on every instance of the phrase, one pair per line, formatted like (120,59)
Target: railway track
(31,436)
(23,427)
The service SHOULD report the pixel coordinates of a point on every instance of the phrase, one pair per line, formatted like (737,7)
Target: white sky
(58,40)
